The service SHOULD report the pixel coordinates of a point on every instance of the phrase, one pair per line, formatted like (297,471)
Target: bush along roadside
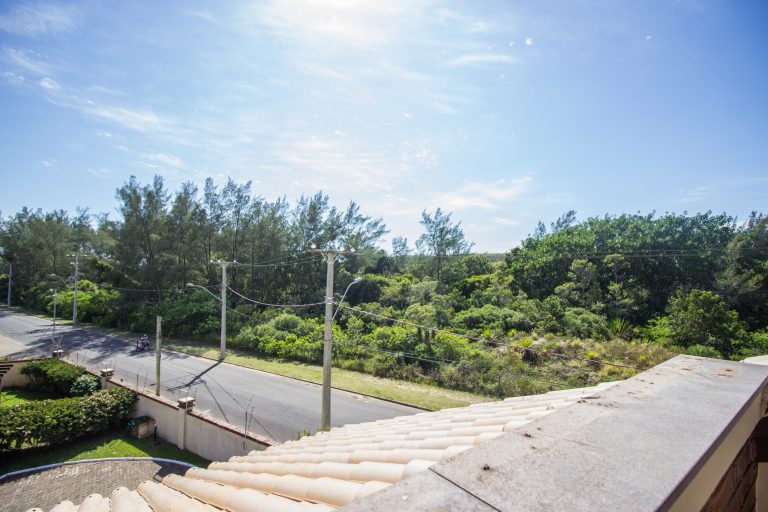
(60,377)
(51,422)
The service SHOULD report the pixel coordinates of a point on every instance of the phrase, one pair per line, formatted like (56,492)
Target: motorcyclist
(143,342)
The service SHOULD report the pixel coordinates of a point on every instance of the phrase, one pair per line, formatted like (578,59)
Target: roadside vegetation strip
(408,393)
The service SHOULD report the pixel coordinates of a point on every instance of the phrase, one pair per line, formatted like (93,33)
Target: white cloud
(35,18)
(142,120)
(696,194)
(104,134)
(165,159)
(27,60)
(14,78)
(363,23)
(483,58)
(529,41)
(483,195)
(100,173)
(50,84)
(479,27)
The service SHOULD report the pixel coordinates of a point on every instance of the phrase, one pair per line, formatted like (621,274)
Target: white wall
(14,378)
(205,436)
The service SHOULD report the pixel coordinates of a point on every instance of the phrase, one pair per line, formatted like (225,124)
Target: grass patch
(13,396)
(115,444)
(431,397)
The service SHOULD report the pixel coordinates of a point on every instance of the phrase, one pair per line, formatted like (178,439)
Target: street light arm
(59,278)
(356,280)
(191,285)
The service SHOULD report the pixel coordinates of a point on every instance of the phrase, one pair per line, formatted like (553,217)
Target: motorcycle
(142,344)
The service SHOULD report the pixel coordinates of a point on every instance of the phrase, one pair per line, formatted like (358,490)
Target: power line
(274,305)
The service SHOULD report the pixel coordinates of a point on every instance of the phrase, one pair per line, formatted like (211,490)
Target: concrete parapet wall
(14,378)
(205,436)
(215,440)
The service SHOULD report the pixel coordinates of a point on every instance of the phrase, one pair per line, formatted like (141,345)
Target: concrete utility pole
(10,281)
(223,264)
(158,340)
(55,301)
(76,277)
(330,258)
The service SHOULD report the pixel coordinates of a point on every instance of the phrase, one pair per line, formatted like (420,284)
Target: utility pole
(55,301)
(74,297)
(330,258)
(10,281)
(223,264)
(158,340)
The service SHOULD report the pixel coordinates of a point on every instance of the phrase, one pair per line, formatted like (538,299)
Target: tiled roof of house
(331,469)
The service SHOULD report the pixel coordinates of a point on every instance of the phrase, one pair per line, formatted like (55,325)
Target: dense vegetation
(51,422)
(629,290)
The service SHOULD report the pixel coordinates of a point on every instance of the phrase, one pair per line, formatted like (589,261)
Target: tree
(702,318)
(442,238)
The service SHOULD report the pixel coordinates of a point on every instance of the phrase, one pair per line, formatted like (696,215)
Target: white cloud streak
(36,18)
(483,58)
(483,195)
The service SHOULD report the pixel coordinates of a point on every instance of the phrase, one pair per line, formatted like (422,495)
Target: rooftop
(660,440)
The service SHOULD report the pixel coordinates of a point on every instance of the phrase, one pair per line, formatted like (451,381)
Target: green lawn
(109,445)
(13,396)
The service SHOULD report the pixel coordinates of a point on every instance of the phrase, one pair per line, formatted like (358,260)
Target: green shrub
(53,373)
(84,385)
(51,422)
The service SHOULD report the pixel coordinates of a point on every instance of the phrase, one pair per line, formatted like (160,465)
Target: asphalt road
(275,407)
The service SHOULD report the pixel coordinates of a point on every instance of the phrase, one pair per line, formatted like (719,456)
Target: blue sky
(501,112)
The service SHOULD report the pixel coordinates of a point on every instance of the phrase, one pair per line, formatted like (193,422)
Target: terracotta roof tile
(331,469)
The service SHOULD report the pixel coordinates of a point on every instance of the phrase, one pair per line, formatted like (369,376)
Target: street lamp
(74,298)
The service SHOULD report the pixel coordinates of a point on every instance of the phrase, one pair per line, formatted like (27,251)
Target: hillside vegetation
(574,304)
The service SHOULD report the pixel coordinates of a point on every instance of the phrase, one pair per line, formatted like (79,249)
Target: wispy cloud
(696,194)
(27,60)
(165,159)
(36,18)
(100,173)
(364,24)
(483,58)
(50,84)
(483,195)
(528,41)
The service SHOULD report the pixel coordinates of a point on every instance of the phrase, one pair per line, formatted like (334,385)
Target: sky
(503,113)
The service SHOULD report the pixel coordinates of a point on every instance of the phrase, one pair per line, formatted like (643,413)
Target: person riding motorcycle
(143,343)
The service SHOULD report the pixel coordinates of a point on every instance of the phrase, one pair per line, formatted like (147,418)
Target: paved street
(277,407)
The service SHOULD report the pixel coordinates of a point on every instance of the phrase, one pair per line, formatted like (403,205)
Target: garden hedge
(54,373)
(51,422)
